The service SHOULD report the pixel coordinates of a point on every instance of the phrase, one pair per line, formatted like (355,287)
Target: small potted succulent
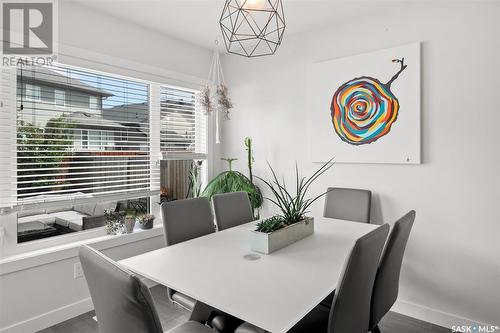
(291,224)
(114,222)
(130,218)
(146,221)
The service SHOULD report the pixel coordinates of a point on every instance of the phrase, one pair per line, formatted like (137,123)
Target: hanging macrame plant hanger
(215,98)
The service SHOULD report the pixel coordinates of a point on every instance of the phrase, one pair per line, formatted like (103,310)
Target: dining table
(272,291)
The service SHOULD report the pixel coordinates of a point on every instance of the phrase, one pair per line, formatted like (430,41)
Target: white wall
(45,292)
(451,270)
(40,296)
(89,29)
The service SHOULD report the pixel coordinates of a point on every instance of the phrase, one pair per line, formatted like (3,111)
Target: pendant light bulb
(254,4)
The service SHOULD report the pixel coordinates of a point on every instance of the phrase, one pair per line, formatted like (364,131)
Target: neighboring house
(41,86)
(46,94)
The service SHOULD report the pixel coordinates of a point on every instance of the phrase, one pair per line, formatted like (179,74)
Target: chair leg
(201,312)
(375,329)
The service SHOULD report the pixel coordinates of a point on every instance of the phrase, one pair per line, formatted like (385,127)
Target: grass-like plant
(271,224)
(294,206)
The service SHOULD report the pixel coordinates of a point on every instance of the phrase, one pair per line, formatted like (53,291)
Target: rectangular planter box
(268,243)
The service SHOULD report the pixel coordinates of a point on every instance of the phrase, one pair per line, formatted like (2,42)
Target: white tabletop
(273,292)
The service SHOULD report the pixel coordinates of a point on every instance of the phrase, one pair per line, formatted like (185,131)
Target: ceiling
(197,21)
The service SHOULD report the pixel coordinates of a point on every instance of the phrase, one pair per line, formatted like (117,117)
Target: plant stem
(248,144)
(230,162)
(403,67)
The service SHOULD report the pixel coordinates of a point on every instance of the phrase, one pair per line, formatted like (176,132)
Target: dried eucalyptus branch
(206,100)
(223,100)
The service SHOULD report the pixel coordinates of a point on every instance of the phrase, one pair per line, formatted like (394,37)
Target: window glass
(71,155)
(93,103)
(59,97)
(95,140)
(85,139)
(69,218)
(33,93)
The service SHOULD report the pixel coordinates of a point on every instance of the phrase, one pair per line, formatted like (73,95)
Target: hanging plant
(223,100)
(206,100)
(214,98)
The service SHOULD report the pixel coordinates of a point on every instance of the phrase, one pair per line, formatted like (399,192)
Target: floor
(172,316)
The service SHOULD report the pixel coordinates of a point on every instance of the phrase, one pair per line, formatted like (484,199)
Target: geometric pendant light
(252,28)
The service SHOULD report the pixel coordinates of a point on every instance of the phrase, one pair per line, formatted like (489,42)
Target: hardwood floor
(172,316)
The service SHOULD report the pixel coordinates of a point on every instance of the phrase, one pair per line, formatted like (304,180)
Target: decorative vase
(269,242)
(148,224)
(129,224)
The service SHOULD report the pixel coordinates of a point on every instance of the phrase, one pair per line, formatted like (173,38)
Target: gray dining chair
(122,302)
(386,286)
(348,204)
(232,209)
(350,310)
(184,220)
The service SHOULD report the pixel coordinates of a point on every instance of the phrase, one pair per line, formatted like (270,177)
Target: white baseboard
(69,311)
(431,315)
(50,318)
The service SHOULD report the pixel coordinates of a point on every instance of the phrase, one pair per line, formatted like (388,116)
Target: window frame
(98,139)
(84,139)
(95,103)
(30,97)
(56,91)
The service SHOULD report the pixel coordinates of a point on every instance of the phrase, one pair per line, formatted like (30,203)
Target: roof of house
(54,78)
(139,112)
(89,120)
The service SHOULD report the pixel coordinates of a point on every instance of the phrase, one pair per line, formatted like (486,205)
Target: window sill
(47,255)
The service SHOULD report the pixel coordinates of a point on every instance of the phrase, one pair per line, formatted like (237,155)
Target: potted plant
(146,221)
(233,181)
(130,218)
(291,224)
(114,222)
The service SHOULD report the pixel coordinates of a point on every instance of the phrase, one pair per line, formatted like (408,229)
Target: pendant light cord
(22,88)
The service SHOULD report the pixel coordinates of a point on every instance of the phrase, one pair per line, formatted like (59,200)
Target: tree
(42,148)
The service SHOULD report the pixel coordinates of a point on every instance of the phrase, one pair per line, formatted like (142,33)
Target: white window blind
(183,126)
(97,143)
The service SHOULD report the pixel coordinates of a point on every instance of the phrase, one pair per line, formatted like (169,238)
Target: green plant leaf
(293,207)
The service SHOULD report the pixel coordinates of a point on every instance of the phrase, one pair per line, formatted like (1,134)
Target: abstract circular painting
(364,109)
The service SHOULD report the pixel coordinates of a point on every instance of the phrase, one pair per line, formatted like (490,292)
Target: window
(183,143)
(59,97)
(47,162)
(63,154)
(33,93)
(183,126)
(67,165)
(98,140)
(85,139)
(95,140)
(93,103)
